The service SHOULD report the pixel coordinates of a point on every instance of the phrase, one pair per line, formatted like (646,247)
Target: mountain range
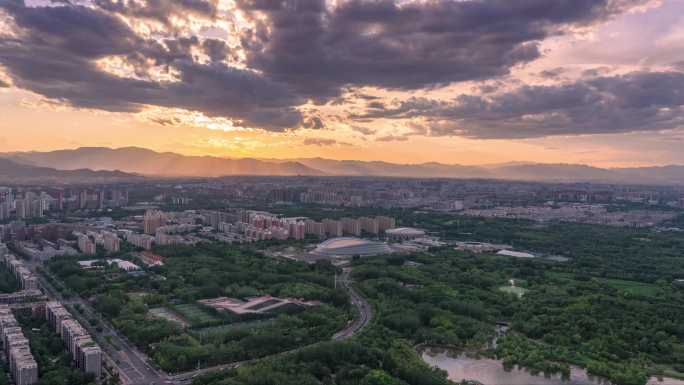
(12,171)
(134,160)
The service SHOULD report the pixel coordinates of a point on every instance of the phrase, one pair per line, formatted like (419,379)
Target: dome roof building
(350,246)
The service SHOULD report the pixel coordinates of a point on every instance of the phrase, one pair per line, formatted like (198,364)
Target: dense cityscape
(132,278)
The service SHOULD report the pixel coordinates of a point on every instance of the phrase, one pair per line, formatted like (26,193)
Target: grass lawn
(634,288)
(519,291)
(195,314)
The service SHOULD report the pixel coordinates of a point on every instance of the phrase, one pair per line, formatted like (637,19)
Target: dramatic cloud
(392,138)
(553,73)
(281,57)
(320,48)
(639,101)
(314,123)
(363,130)
(4,84)
(160,10)
(323,142)
(57,52)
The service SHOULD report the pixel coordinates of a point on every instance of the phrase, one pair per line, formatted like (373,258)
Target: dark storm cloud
(638,101)
(160,10)
(217,50)
(407,45)
(56,53)
(297,49)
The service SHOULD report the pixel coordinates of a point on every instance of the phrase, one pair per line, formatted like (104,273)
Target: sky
(597,82)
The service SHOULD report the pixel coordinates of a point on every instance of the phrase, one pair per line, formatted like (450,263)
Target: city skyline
(590,82)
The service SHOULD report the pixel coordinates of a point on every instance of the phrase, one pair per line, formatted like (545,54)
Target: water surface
(491,372)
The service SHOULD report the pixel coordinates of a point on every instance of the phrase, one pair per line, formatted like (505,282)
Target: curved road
(133,366)
(364,308)
(365,316)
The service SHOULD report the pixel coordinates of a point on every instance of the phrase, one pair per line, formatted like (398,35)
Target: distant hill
(11,171)
(361,168)
(147,162)
(167,164)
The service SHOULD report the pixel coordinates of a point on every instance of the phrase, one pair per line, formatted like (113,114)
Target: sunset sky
(472,82)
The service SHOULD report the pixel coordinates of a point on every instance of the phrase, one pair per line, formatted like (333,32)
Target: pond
(491,372)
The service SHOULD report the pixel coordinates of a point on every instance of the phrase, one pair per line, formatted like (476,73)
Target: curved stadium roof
(405,231)
(349,246)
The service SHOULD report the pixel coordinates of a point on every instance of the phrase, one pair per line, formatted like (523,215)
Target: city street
(132,365)
(128,361)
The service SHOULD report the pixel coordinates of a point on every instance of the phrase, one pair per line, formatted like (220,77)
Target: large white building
(350,246)
(404,233)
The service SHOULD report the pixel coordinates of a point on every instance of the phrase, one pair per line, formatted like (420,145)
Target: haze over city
(596,82)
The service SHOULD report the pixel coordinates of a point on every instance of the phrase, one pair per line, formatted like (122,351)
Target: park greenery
(611,308)
(147,307)
(609,305)
(341,363)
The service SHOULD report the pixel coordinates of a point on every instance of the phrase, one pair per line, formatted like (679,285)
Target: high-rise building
(100,199)
(351,226)
(370,225)
(5,210)
(6,194)
(85,244)
(6,202)
(83,199)
(111,242)
(89,357)
(55,313)
(26,278)
(385,223)
(23,366)
(333,228)
(314,228)
(60,201)
(297,230)
(21,209)
(84,351)
(141,240)
(153,220)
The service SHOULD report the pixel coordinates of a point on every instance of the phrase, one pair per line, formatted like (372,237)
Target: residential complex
(26,279)
(84,351)
(23,366)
